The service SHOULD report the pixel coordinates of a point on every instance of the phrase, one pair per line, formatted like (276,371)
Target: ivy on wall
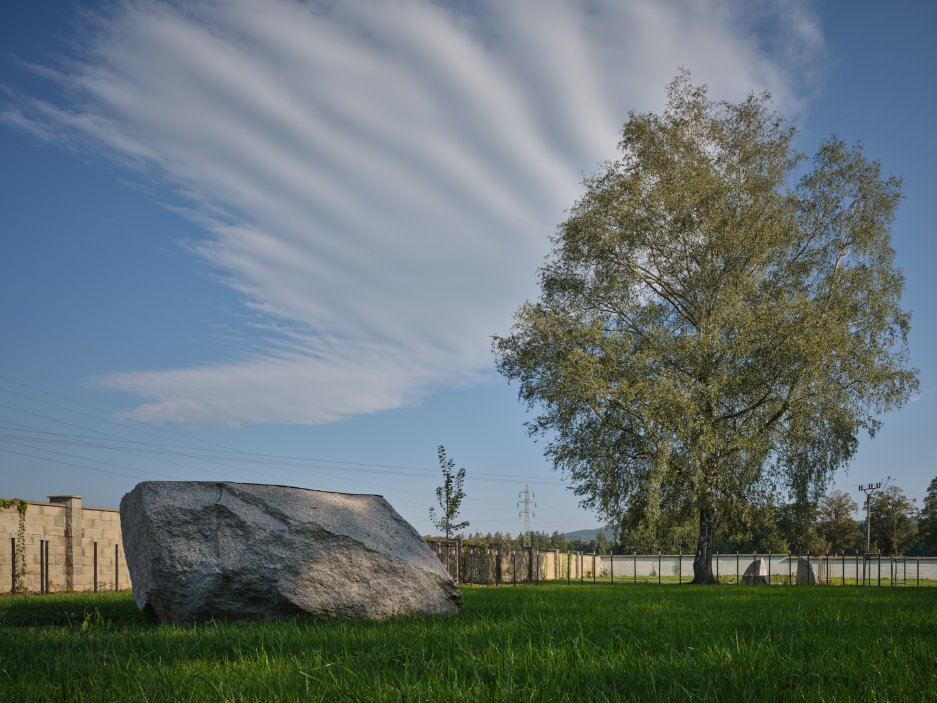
(20,555)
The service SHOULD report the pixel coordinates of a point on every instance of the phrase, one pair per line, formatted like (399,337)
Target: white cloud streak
(378,179)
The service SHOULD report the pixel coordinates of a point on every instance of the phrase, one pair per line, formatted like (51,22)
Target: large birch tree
(719,319)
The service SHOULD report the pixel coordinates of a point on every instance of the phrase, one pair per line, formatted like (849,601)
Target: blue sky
(271,241)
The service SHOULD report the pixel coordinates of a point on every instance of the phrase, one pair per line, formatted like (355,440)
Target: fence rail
(497,565)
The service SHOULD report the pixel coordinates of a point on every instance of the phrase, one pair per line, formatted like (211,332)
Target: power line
(81,427)
(240,458)
(143,472)
(67,463)
(145,429)
(216,456)
(227,458)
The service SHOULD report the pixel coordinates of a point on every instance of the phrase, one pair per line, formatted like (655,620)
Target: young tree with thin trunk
(718,320)
(449,496)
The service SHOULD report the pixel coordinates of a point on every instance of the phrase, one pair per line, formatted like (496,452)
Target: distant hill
(589,535)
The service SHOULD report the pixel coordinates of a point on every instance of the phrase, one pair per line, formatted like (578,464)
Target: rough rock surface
(806,573)
(756,573)
(204,549)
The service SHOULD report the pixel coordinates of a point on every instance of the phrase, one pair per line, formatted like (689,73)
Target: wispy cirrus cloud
(378,179)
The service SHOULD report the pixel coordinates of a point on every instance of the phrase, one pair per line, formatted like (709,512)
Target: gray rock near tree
(756,573)
(806,572)
(200,549)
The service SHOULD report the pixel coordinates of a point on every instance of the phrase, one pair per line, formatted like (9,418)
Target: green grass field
(556,642)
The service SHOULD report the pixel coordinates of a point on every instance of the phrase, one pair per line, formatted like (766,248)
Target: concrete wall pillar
(74,531)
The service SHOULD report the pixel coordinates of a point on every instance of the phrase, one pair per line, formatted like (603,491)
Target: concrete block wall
(72,531)
(578,566)
(102,526)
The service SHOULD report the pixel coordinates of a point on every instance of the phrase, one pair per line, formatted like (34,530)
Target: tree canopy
(719,318)
(838,527)
(894,525)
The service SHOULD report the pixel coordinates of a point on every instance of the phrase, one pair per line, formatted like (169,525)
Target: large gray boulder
(806,572)
(206,549)
(756,573)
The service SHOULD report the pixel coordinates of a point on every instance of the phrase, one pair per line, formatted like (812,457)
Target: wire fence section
(497,565)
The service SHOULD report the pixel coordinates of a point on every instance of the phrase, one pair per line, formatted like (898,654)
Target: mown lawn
(555,642)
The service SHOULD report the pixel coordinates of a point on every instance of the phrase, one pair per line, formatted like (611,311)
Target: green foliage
(601,543)
(449,496)
(893,520)
(837,525)
(558,541)
(798,524)
(20,555)
(93,619)
(927,523)
(671,539)
(713,331)
(17,503)
(552,642)
(762,528)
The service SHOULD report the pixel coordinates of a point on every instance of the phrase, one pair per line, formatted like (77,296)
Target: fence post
(514,566)
(634,564)
(680,565)
(13,565)
(611,565)
(737,579)
(844,568)
(919,572)
(569,566)
(717,566)
(658,566)
(789,557)
(593,568)
(47,566)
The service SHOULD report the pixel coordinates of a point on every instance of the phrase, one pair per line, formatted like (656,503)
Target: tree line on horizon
(830,524)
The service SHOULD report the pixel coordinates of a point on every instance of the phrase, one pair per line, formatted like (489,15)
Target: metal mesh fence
(498,565)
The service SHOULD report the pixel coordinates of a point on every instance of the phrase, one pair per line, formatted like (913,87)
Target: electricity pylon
(525,500)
